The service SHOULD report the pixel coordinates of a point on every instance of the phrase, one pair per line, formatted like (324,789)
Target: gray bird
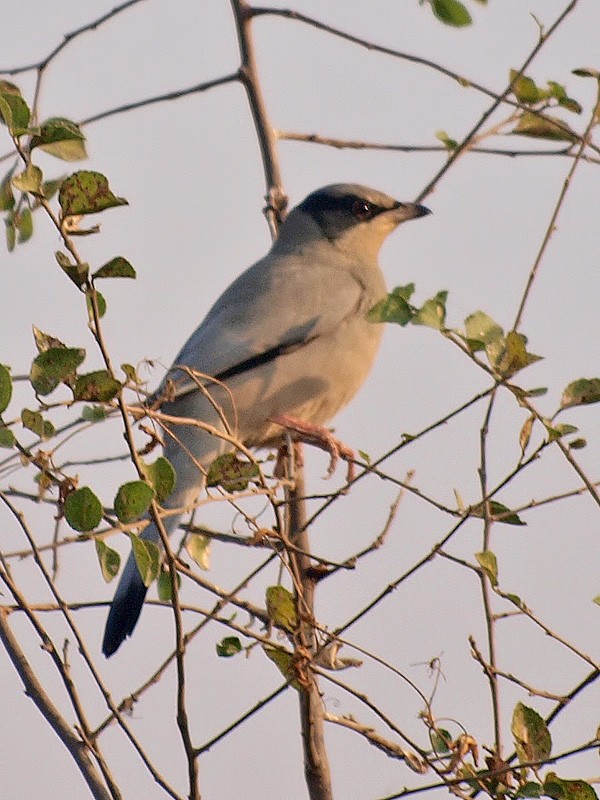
(289,340)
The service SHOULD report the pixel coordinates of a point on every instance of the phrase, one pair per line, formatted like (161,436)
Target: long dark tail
(125,609)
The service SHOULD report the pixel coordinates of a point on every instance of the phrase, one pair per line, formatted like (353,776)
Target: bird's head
(352,218)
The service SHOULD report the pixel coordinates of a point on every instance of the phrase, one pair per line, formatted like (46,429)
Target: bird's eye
(363,210)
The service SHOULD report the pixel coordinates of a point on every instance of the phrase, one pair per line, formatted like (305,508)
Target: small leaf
(531,736)
(83,510)
(86,192)
(481,328)
(198,548)
(132,501)
(5,388)
(78,273)
(93,413)
(451,12)
(147,558)
(165,586)
(30,180)
(109,560)
(228,647)
(497,513)
(100,303)
(53,366)
(97,386)
(558,430)
(231,473)
(441,741)
(50,188)
(524,88)
(577,444)
(7,197)
(117,267)
(433,312)
(7,437)
(489,564)
(585,72)
(581,392)
(281,607)
(61,138)
(449,143)
(562,789)
(514,356)
(44,341)
(530,789)
(33,421)
(14,111)
(11,233)
(161,476)
(395,307)
(24,224)
(543,126)
(525,434)
(284,661)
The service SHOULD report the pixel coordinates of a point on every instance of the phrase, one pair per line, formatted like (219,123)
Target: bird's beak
(404,211)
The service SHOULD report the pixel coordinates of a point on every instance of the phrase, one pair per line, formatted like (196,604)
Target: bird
(287,343)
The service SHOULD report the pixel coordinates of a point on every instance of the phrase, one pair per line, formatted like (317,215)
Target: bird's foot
(320,437)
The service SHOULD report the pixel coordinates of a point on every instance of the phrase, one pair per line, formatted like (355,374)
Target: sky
(191,172)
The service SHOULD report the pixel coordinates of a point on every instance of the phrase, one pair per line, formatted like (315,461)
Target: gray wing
(275,306)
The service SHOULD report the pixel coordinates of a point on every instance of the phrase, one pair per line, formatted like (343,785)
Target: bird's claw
(320,437)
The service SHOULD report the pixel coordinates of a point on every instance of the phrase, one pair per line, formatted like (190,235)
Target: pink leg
(320,437)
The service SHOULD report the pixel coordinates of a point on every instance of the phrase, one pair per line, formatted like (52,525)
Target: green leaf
(558,430)
(449,143)
(78,273)
(489,564)
(451,12)
(161,476)
(147,558)
(228,647)
(231,473)
(97,387)
(45,341)
(24,224)
(53,366)
(284,661)
(109,560)
(7,197)
(481,329)
(83,510)
(93,413)
(543,126)
(117,267)
(5,388)
(133,500)
(433,312)
(86,192)
(11,234)
(441,741)
(524,88)
(165,586)
(61,138)
(531,736)
(559,93)
(514,356)
(100,303)
(7,437)
(530,789)
(14,111)
(30,180)
(581,392)
(198,547)
(50,188)
(395,307)
(281,607)
(577,444)
(497,513)
(585,72)
(562,789)
(33,421)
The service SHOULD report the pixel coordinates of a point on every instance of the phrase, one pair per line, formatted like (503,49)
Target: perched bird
(288,341)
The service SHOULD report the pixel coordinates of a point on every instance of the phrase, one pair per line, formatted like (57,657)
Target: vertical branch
(316,762)
(485,585)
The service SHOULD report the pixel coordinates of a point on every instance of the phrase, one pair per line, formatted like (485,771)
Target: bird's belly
(312,383)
